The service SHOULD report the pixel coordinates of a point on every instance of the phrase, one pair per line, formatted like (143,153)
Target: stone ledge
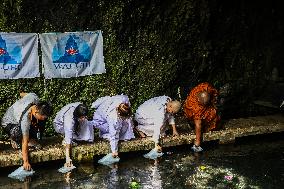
(52,148)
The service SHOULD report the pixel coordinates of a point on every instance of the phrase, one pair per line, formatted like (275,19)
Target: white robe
(107,121)
(152,117)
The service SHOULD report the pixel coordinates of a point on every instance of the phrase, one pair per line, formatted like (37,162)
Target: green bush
(151,48)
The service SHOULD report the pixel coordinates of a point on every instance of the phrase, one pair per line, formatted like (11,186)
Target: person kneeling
(71,121)
(113,119)
(200,107)
(24,122)
(153,115)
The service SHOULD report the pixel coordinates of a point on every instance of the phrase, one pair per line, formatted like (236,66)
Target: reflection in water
(147,178)
(27,182)
(156,176)
(112,179)
(154,180)
(67,180)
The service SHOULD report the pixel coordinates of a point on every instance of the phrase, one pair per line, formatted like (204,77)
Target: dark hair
(124,110)
(45,108)
(80,110)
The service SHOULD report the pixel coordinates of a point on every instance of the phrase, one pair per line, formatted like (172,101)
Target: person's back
(155,101)
(106,106)
(200,105)
(14,112)
(59,118)
(153,107)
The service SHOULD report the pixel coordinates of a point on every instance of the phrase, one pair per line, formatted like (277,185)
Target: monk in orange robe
(200,107)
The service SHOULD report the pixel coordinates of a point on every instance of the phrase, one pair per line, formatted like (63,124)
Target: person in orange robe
(200,107)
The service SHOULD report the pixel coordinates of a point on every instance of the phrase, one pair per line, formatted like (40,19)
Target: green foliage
(151,48)
(134,185)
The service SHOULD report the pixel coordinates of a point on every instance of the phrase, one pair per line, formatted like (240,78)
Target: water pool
(253,162)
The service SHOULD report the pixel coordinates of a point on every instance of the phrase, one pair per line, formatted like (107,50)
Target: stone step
(234,128)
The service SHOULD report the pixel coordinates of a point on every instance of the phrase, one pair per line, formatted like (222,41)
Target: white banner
(19,55)
(72,54)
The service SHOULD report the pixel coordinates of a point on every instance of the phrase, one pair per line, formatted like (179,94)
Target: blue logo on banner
(73,53)
(10,56)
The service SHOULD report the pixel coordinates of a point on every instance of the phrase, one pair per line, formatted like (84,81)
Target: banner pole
(45,90)
(42,68)
(44,80)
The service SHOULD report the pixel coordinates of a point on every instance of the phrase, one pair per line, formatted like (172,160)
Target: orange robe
(196,111)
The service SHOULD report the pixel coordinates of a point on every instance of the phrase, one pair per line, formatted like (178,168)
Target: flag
(19,55)
(72,54)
